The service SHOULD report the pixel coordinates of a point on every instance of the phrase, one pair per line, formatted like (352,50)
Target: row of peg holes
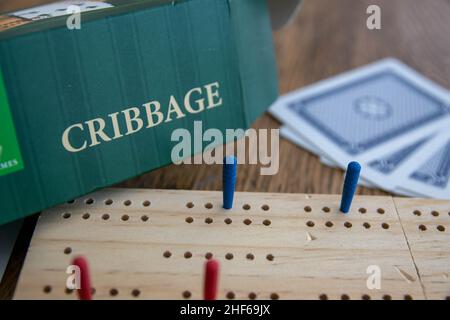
(112,292)
(188,255)
(247,221)
(347,224)
(186,294)
(360,210)
(109,202)
(145,218)
(264,207)
(209,206)
(229,256)
(147,203)
(231,295)
(434,213)
(423,227)
(105,217)
(366,297)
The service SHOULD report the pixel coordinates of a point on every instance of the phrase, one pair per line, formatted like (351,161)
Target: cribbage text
(91,133)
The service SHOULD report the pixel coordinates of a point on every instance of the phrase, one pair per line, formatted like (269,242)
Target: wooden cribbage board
(151,244)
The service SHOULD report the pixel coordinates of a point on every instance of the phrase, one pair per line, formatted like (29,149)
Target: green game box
(81,109)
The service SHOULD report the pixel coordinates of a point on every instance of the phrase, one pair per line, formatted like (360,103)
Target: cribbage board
(152,244)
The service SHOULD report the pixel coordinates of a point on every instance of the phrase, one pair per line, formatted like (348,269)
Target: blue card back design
(436,171)
(389,163)
(366,112)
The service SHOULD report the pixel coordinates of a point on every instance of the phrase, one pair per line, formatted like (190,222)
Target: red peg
(85,291)
(211,280)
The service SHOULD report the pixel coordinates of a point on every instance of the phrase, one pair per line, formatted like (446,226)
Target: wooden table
(327,37)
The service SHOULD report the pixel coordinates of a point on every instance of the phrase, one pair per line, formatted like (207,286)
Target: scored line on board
(409,248)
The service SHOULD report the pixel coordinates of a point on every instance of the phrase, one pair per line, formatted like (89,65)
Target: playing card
(59,9)
(365,113)
(431,173)
(293,137)
(387,171)
(381,170)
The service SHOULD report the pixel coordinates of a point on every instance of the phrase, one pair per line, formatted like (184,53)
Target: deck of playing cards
(386,116)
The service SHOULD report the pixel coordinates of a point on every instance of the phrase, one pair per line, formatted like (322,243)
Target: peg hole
(440,228)
(167,254)
(310,224)
(105,216)
(66,215)
(86,216)
(136,293)
(407,297)
(435,213)
(230,295)
(113,292)
(47,289)
(270,257)
(265,207)
(190,205)
(68,291)
(387,297)
(71,201)
(250,256)
(267,222)
(362,210)
(247,222)
(146,203)
(108,202)
(345,297)
(329,224)
(417,213)
(307,209)
(381,211)
(188,255)
(348,225)
(228,221)
(422,227)
(366,225)
(208,205)
(208,220)
(127,203)
(187,294)
(385,225)
(229,256)
(208,255)
(189,220)
(326,209)
(323,297)
(144,218)
(246,206)
(89,201)
(252,296)
(274,296)
(365,297)
(125,217)
(68,250)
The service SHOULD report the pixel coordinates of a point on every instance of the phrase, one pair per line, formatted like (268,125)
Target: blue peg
(229,180)
(350,185)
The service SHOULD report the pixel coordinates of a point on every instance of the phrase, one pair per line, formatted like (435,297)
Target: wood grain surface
(326,38)
(152,244)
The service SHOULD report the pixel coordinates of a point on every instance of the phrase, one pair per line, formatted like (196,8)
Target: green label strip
(10,157)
